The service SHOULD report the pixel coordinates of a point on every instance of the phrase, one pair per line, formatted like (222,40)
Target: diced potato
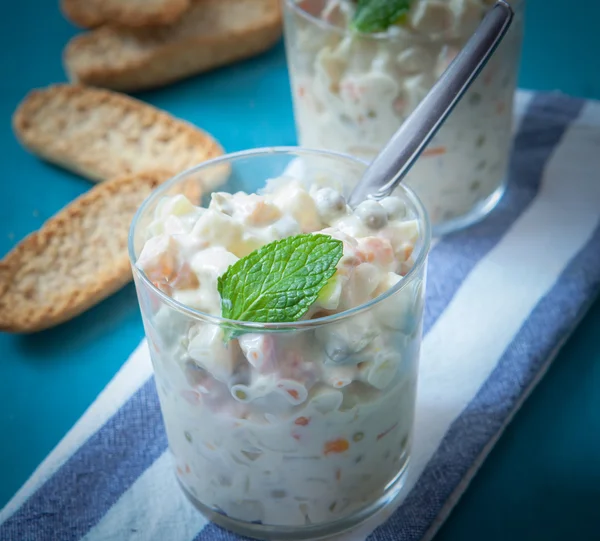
(218,229)
(343,339)
(415,59)
(158,258)
(431,17)
(402,311)
(208,349)
(295,200)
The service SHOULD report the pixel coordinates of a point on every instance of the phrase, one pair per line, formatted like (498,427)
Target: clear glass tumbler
(352,91)
(292,430)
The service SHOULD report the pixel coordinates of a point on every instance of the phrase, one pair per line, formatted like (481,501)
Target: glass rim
(375,36)
(422,217)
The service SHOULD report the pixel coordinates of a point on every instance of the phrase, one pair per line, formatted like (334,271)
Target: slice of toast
(76,259)
(134,13)
(210,34)
(101,134)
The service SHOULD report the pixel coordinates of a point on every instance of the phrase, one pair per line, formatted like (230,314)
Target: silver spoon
(391,165)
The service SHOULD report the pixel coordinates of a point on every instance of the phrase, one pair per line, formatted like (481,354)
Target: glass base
(309,531)
(476,214)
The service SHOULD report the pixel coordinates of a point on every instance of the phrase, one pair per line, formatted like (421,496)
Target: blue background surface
(542,481)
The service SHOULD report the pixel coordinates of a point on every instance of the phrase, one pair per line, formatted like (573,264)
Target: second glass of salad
(359,68)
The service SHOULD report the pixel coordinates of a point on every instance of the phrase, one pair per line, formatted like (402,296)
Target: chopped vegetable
(240,394)
(293,393)
(434,151)
(338,445)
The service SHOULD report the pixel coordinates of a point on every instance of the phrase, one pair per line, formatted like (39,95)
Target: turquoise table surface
(542,481)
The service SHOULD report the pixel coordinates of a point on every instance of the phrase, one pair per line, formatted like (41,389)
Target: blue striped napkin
(502,298)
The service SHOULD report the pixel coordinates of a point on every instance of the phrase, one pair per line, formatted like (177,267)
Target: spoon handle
(391,165)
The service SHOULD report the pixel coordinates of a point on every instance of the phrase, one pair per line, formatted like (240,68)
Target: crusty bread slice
(134,13)
(76,259)
(101,134)
(211,33)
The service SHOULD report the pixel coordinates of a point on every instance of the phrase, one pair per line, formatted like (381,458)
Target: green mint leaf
(280,281)
(378,15)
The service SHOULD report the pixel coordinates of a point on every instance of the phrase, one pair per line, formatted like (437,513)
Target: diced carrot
(296,437)
(435,151)
(350,261)
(405,251)
(301,91)
(293,393)
(163,269)
(367,257)
(185,278)
(262,213)
(338,445)
(376,249)
(302,421)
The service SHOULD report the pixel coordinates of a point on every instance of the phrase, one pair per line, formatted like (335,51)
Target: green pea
(475,98)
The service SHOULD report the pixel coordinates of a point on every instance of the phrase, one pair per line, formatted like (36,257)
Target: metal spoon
(391,165)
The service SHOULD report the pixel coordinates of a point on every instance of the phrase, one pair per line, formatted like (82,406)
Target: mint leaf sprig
(378,15)
(280,281)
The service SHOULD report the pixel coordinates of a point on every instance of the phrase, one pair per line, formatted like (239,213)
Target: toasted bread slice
(101,134)
(211,33)
(76,259)
(134,13)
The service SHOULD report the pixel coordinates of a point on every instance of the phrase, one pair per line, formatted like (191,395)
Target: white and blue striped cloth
(502,298)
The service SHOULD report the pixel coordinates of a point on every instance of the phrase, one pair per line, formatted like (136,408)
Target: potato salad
(357,74)
(296,425)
